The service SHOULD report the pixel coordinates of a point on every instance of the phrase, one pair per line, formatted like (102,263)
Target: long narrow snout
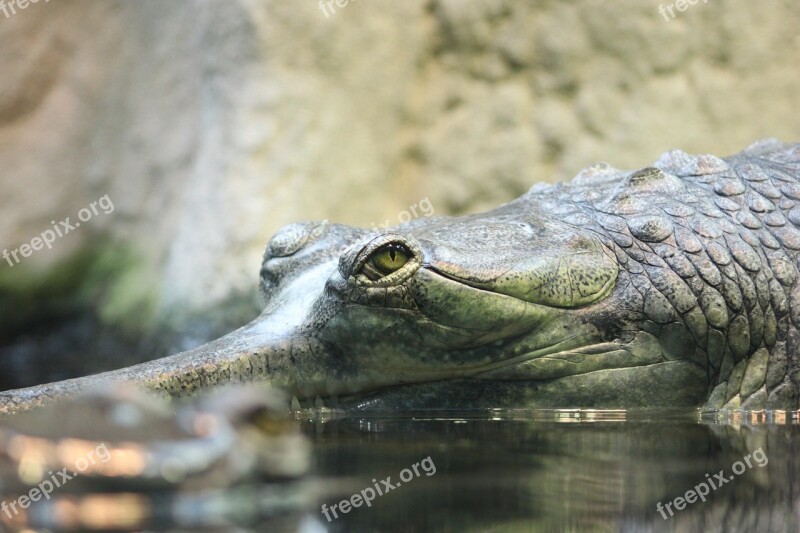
(276,347)
(247,354)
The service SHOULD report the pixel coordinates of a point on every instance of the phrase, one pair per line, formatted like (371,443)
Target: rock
(212,124)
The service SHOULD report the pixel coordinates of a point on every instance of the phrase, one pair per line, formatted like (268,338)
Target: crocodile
(672,285)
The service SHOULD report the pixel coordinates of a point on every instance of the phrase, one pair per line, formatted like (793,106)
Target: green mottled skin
(674,285)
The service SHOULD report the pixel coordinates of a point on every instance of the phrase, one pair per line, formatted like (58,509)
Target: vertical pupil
(391,253)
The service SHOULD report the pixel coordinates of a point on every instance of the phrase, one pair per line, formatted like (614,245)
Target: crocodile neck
(708,253)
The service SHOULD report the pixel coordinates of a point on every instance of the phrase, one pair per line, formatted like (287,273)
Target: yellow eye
(390,258)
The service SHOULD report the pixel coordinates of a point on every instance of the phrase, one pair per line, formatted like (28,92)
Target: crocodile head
(505,308)
(515,307)
(673,285)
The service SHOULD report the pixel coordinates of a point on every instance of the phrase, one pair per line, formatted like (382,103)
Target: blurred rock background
(211,123)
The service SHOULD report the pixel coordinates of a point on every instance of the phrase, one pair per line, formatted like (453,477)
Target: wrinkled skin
(674,285)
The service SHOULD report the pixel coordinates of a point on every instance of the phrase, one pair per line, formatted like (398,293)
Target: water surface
(518,470)
(488,470)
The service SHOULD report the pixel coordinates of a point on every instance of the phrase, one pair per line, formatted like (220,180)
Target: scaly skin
(674,285)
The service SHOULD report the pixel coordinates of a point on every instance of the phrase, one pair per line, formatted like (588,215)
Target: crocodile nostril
(289,239)
(292,248)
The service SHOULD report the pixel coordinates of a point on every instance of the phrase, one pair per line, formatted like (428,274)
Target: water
(496,470)
(516,470)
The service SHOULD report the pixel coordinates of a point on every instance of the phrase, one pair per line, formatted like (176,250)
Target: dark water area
(492,470)
(516,470)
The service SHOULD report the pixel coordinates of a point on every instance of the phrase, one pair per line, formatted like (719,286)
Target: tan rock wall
(211,123)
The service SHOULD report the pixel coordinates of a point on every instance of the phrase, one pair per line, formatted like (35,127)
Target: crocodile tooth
(318,402)
(295,404)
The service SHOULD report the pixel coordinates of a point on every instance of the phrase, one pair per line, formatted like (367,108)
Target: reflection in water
(119,459)
(517,470)
(494,470)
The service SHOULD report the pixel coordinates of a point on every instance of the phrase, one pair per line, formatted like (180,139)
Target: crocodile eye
(390,258)
(387,259)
